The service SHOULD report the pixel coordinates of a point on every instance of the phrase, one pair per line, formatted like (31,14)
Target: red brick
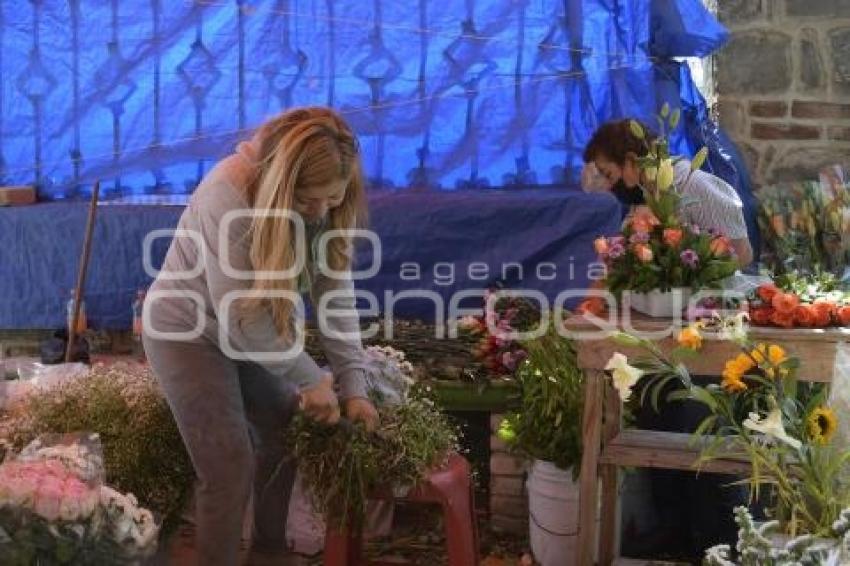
(816,110)
(839,133)
(763,131)
(768,109)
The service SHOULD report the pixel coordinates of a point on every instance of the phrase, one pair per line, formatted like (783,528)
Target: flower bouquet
(656,250)
(798,301)
(759,411)
(54,510)
(806,225)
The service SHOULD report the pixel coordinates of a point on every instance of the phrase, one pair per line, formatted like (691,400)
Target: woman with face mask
(223,315)
(711,202)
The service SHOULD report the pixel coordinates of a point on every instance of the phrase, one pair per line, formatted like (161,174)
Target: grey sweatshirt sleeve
(339,333)
(253,336)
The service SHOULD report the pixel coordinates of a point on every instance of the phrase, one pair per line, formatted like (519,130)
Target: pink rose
(643,252)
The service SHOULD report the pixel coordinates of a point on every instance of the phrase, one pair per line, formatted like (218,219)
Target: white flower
(771,426)
(623,375)
(665,174)
(734,328)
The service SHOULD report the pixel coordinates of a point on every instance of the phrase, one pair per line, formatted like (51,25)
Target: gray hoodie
(179,304)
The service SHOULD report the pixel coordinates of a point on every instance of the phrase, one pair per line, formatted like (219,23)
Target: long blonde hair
(303,147)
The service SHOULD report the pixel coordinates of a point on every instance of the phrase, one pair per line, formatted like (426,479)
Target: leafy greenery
(342,466)
(143,451)
(547,425)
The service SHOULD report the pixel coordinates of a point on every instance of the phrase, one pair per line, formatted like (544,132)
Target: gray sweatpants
(232,417)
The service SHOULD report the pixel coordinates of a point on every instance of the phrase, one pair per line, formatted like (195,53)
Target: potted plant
(658,258)
(547,429)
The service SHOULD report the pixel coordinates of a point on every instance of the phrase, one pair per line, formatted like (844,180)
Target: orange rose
(720,246)
(643,220)
(785,320)
(643,252)
(823,313)
(672,237)
(760,316)
(601,245)
(805,316)
(844,315)
(785,303)
(767,291)
(593,305)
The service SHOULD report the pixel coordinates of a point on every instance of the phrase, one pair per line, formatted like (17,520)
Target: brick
(507,485)
(509,525)
(839,40)
(506,465)
(803,163)
(818,110)
(817,8)
(732,12)
(839,133)
(768,109)
(508,506)
(811,66)
(763,131)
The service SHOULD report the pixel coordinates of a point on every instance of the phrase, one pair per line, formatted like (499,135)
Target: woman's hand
(360,409)
(319,402)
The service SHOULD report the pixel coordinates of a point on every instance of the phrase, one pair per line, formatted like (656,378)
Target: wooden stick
(81,276)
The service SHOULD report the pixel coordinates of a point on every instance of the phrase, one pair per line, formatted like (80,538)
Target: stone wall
(783,85)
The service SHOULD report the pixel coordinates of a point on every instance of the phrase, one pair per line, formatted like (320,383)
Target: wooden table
(606,447)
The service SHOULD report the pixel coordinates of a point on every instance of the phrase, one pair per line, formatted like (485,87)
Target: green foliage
(547,425)
(143,451)
(342,466)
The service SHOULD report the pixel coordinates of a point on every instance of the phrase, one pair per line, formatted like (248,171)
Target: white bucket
(552,514)
(659,304)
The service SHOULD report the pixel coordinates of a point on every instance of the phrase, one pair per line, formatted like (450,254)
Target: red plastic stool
(451,487)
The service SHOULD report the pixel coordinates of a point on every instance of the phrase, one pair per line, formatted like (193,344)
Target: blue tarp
(548,233)
(146,95)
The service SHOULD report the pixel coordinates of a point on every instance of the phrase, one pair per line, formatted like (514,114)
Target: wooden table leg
(588,482)
(610,508)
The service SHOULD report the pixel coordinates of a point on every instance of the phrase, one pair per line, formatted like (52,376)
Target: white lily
(665,174)
(771,425)
(623,375)
(734,328)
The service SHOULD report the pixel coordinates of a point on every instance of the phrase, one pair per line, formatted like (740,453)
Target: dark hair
(615,140)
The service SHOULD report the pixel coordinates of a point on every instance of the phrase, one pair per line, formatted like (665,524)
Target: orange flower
(767,291)
(844,315)
(720,246)
(690,338)
(785,320)
(672,237)
(823,313)
(760,316)
(601,245)
(785,303)
(643,252)
(805,316)
(643,220)
(592,305)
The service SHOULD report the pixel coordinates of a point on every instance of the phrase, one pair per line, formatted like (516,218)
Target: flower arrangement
(656,250)
(805,225)
(497,354)
(798,301)
(342,466)
(547,424)
(54,511)
(143,452)
(760,411)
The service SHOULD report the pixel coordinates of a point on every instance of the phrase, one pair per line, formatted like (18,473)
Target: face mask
(629,196)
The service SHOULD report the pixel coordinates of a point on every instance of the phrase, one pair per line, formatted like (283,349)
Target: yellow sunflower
(822,424)
(690,338)
(733,373)
(771,355)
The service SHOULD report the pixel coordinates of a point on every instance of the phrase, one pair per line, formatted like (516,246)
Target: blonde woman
(218,318)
